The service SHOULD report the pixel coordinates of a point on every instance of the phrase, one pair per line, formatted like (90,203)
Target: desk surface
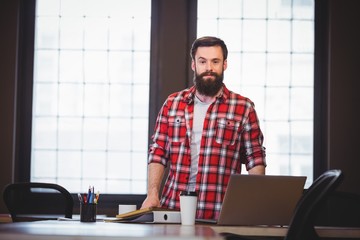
(328,232)
(100,230)
(59,230)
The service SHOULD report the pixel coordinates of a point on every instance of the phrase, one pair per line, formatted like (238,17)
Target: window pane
(277,103)
(71,66)
(230,9)
(71,29)
(47,103)
(254,69)
(303,39)
(301,108)
(91,94)
(254,35)
(278,69)
(70,133)
(48,32)
(95,33)
(208,9)
(278,33)
(303,9)
(47,66)
(226,28)
(207,27)
(254,8)
(44,134)
(120,40)
(271,58)
(302,70)
(70,99)
(44,158)
(279,9)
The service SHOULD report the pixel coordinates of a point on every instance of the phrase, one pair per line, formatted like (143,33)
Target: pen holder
(88,212)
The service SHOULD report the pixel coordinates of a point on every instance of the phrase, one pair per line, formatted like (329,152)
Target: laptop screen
(260,199)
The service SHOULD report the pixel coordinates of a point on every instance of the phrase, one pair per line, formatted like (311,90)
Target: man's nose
(209,67)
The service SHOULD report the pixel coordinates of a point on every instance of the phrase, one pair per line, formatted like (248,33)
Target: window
(91,94)
(271,58)
(91,85)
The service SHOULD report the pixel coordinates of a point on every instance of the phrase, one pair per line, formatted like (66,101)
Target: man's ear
(225,64)
(193,65)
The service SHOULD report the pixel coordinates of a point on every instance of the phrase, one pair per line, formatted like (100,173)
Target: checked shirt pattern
(231,137)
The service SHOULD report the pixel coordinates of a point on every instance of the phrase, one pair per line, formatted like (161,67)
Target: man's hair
(208,42)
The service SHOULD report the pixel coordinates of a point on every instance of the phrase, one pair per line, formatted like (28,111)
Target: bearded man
(204,133)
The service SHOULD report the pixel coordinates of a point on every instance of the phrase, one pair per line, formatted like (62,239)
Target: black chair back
(32,198)
(302,223)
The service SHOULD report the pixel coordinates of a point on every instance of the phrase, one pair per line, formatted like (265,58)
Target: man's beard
(208,87)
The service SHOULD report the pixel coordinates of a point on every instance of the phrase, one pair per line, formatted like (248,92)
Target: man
(204,133)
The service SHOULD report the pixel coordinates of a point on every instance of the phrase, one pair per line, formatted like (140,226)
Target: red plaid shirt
(231,136)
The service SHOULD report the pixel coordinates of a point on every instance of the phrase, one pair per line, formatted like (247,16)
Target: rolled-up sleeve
(253,151)
(158,150)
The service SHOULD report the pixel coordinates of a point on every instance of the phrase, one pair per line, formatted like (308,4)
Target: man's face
(209,67)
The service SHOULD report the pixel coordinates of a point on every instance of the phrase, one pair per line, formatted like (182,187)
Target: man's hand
(155,175)
(259,170)
(151,202)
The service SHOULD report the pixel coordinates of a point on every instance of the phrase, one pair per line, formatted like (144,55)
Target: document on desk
(148,215)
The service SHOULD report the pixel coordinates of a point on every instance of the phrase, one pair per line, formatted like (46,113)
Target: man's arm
(155,176)
(259,170)
(253,144)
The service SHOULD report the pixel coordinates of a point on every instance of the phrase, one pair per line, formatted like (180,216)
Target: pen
(89,195)
(97,197)
(92,195)
(80,198)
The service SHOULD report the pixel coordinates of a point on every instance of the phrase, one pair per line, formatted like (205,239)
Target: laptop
(259,200)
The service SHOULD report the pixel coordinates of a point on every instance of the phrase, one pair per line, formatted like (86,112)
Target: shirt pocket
(227,131)
(177,129)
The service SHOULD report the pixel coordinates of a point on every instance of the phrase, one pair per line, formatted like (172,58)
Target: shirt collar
(222,95)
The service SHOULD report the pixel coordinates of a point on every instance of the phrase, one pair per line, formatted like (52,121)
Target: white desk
(58,230)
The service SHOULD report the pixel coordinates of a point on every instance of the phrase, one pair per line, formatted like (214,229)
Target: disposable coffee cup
(188,203)
(88,212)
